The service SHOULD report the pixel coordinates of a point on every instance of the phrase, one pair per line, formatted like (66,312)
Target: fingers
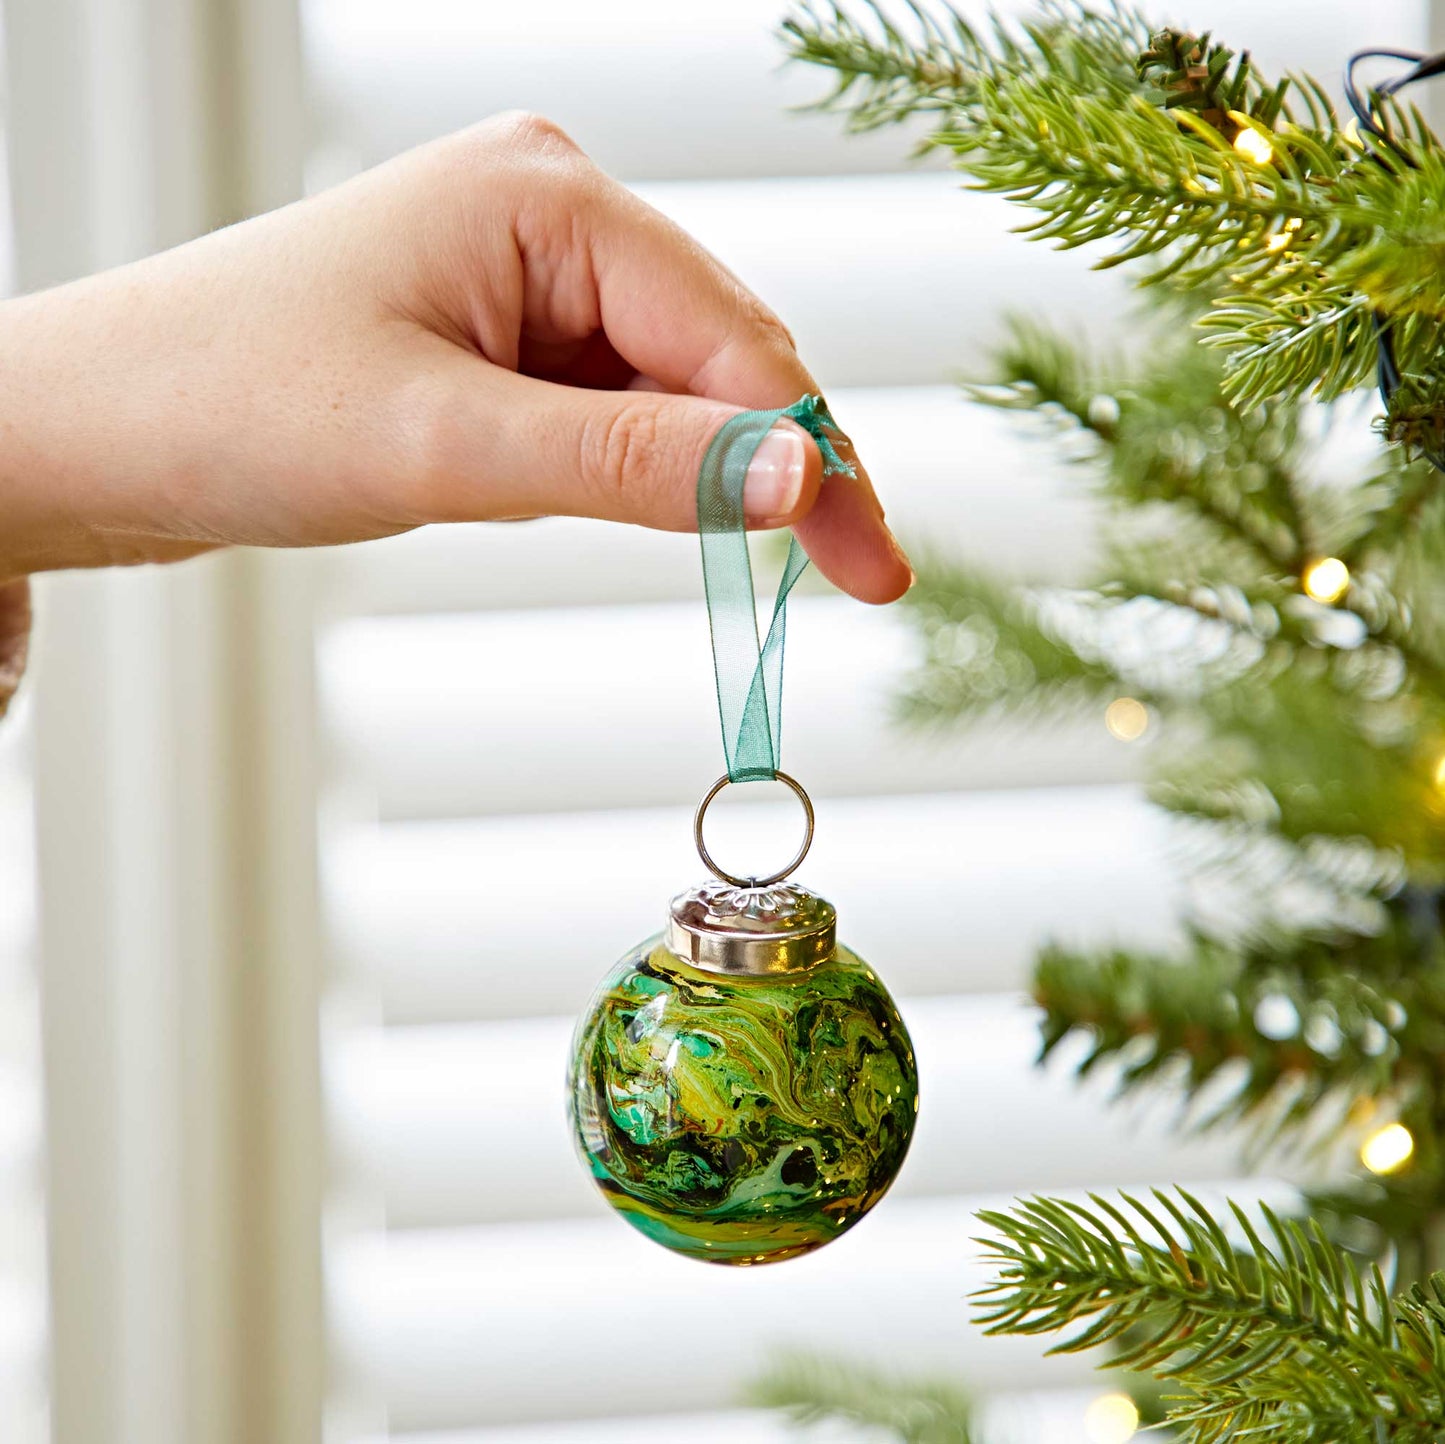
(516,446)
(676,315)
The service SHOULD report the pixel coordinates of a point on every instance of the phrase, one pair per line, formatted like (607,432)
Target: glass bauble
(752,1101)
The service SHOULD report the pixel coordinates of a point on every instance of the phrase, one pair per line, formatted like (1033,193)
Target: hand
(485,328)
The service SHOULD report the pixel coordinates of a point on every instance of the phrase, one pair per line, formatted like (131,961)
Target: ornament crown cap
(752,930)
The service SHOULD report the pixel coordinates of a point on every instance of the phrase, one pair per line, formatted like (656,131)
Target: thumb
(536,448)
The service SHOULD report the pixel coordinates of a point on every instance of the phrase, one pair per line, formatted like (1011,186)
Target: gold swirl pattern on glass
(742,1120)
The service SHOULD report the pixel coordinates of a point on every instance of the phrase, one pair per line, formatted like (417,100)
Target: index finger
(676,314)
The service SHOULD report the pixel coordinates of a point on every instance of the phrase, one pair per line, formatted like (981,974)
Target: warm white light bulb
(1254,145)
(1111,1419)
(1440,773)
(1387,1149)
(1282,238)
(1126,719)
(1326,579)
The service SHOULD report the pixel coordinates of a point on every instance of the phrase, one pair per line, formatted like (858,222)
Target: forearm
(100,392)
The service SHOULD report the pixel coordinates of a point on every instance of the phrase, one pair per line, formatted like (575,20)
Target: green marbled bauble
(742,1120)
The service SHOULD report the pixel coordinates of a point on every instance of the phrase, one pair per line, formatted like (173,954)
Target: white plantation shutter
(22,1233)
(23,1405)
(517,721)
(334,847)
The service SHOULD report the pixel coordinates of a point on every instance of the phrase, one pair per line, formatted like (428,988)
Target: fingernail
(775,476)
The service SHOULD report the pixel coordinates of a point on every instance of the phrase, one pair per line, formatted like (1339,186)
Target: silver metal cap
(752,930)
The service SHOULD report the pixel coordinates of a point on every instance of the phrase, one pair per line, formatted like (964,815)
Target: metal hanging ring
(793,866)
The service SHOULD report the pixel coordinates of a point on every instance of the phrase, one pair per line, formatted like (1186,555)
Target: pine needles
(1274,1335)
(913,1411)
(1287,636)
(1173,150)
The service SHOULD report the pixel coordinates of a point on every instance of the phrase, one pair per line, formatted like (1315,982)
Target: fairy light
(1281,239)
(1388,1148)
(1325,580)
(1111,1419)
(1254,145)
(1126,719)
(1440,773)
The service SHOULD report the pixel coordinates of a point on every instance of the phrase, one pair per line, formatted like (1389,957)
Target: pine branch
(883,76)
(1278,1338)
(1340,743)
(985,648)
(1298,340)
(1191,72)
(913,1411)
(1206,1023)
(884,73)
(1098,163)
(1167,433)
(1397,1217)
(1334,713)
(1180,155)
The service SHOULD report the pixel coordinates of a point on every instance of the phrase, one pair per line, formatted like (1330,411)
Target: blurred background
(308,862)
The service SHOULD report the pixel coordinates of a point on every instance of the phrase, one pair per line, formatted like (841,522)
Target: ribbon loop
(749,669)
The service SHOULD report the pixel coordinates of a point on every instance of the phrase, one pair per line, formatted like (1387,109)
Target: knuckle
(773,328)
(524,132)
(622,457)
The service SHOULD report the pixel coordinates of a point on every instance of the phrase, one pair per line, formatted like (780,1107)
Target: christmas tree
(1286,632)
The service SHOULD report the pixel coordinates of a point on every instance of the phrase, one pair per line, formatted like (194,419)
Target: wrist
(36,474)
(85,450)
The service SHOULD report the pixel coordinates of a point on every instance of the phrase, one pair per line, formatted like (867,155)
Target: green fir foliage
(1297,714)
(1113,134)
(1267,1332)
(912,1411)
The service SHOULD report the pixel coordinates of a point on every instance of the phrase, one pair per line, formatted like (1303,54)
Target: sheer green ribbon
(749,668)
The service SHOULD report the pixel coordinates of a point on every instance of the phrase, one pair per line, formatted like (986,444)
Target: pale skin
(486,328)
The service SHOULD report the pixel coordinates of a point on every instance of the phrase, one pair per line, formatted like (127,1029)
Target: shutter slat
(1054,1416)
(451,1328)
(606,73)
(385,76)
(899,280)
(946,894)
(23,1384)
(421,1117)
(503,712)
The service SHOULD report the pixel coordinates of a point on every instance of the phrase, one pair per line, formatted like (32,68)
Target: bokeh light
(1254,145)
(1126,719)
(1111,1419)
(1326,579)
(1387,1149)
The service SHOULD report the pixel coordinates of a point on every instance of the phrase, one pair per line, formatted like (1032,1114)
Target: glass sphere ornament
(742,1087)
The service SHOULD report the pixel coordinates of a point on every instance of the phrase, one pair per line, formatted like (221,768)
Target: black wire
(1363,105)
(1360,104)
